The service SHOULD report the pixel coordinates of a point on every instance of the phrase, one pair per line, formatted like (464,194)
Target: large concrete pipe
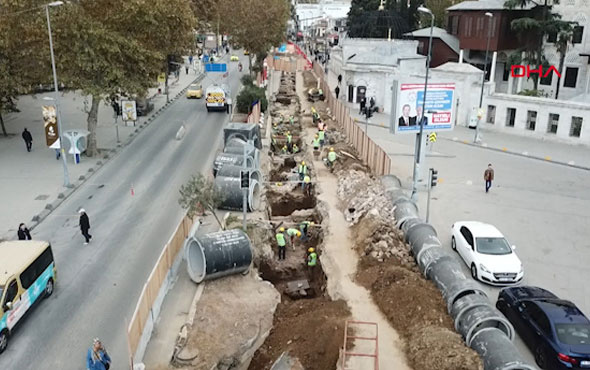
(244,132)
(422,236)
(447,275)
(409,223)
(231,188)
(403,211)
(393,188)
(426,256)
(223,159)
(497,351)
(234,171)
(466,303)
(481,317)
(236,146)
(219,254)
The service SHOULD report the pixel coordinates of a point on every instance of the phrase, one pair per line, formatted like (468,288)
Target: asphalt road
(98,284)
(540,207)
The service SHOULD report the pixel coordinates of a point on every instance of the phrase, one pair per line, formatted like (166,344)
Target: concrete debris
(362,193)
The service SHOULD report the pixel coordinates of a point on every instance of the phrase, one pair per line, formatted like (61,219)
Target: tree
(533,30)
(439,9)
(564,38)
(200,192)
(366,19)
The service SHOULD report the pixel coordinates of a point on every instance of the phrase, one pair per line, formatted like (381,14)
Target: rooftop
(447,38)
(14,255)
(486,5)
(458,67)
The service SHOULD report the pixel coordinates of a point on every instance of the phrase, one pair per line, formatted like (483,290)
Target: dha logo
(526,71)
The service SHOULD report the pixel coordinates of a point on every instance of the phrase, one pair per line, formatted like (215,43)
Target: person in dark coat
(339,79)
(363,105)
(85,225)
(23,232)
(28,138)
(337,91)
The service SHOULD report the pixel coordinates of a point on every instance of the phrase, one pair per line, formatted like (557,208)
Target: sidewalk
(556,152)
(31,181)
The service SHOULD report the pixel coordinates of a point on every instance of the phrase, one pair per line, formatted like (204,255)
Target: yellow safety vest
(302,169)
(312,259)
(332,156)
(281,239)
(316,143)
(289,138)
(321,135)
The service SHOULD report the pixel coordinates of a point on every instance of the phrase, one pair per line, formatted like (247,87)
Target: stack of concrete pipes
(481,325)
(239,138)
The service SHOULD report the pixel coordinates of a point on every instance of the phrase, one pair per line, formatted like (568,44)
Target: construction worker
(312,261)
(281,119)
(289,141)
(307,185)
(331,158)
(322,137)
(284,150)
(291,120)
(303,227)
(302,170)
(280,236)
(273,142)
(292,232)
(316,142)
(295,148)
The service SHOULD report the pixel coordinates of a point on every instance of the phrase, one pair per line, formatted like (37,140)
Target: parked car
(144,106)
(555,330)
(487,253)
(194,91)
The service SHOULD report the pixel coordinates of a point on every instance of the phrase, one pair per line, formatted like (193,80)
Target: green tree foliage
(439,9)
(199,194)
(249,94)
(533,30)
(367,20)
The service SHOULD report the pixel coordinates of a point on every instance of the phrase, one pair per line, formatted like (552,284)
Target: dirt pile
(361,193)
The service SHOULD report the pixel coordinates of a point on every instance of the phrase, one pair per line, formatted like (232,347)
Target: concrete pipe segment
(231,188)
(234,171)
(426,256)
(218,254)
(497,351)
(422,236)
(403,211)
(481,317)
(223,159)
(447,275)
(466,303)
(236,146)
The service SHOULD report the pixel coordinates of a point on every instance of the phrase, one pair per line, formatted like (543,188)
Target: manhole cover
(42,197)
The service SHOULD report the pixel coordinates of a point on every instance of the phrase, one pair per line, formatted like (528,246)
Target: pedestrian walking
(186,69)
(372,102)
(322,137)
(85,225)
(488,176)
(363,104)
(316,142)
(23,232)
(280,236)
(337,91)
(339,79)
(97,357)
(28,138)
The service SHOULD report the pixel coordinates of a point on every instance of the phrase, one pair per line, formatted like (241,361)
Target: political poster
(50,124)
(439,113)
(129,110)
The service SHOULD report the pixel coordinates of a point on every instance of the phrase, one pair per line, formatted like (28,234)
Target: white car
(487,253)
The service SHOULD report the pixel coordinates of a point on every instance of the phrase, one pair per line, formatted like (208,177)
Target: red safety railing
(346,354)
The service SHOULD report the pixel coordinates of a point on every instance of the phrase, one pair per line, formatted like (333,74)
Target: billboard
(439,115)
(50,124)
(129,110)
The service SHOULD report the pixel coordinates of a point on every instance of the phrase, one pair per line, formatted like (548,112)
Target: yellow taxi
(234,58)
(194,91)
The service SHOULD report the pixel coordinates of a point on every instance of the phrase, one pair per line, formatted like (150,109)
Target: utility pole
(167,73)
(483,79)
(432,181)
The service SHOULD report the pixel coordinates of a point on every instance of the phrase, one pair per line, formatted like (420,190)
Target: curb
(523,154)
(112,153)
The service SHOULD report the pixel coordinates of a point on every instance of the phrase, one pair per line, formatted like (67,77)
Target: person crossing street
(85,225)
(488,176)
(280,236)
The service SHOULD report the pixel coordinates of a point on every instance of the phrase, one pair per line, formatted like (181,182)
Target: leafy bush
(535,93)
(247,80)
(249,94)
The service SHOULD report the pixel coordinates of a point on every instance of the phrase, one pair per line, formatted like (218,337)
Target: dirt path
(340,260)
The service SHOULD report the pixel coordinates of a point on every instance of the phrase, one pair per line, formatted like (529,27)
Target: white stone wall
(543,107)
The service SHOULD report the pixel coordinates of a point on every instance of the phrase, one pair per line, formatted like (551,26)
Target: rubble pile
(361,193)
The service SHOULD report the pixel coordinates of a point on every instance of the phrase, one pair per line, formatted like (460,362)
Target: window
(552,125)
(576,127)
(11,292)
(421,47)
(577,35)
(571,76)
(468,26)
(546,80)
(454,23)
(467,235)
(479,27)
(510,116)
(540,319)
(491,115)
(531,120)
(494,21)
(31,273)
(552,37)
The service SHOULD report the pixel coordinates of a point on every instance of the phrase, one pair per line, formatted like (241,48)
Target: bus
(27,273)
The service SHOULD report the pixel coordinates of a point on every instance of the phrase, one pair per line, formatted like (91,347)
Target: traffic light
(245,179)
(433,177)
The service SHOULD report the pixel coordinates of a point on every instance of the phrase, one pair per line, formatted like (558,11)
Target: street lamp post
(420,136)
(57,107)
(483,79)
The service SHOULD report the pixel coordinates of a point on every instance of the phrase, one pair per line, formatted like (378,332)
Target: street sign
(205,58)
(50,123)
(432,137)
(162,77)
(216,67)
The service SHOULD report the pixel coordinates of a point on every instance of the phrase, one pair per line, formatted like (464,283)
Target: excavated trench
(284,204)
